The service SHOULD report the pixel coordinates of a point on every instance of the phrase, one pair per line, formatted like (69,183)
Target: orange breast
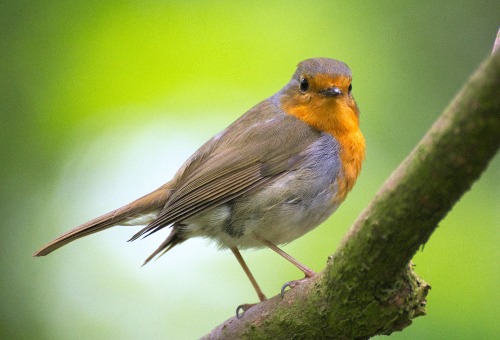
(340,118)
(352,155)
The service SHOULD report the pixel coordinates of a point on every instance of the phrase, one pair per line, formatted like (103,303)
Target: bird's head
(320,94)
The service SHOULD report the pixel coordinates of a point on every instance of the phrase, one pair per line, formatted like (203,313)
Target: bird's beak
(331,92)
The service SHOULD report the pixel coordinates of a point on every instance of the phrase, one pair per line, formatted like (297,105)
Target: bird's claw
(243,308)
(292,284)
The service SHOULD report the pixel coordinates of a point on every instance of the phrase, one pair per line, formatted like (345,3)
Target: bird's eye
(304,84)
(350,88)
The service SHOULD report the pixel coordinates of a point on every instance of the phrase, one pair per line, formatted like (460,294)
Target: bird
(271,176)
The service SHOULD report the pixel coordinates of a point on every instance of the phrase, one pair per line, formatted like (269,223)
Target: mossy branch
(368,286)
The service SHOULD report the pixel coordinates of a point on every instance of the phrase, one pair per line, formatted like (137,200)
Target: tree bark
(368,286)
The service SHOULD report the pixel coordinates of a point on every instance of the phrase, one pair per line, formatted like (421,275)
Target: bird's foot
(294,283)
(243,308)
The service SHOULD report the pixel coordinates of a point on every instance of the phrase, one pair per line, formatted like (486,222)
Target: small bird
(274,174)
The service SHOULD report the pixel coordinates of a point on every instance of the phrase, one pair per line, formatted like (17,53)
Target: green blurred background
(102,101)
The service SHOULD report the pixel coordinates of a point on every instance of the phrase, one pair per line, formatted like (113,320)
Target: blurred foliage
(101,102)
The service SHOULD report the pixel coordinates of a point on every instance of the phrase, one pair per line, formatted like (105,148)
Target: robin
(274,174)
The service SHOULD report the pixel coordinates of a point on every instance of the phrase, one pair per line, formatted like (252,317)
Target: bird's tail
(140,211)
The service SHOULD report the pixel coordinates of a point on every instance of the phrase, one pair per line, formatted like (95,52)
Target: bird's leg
(255,285)
(308,272)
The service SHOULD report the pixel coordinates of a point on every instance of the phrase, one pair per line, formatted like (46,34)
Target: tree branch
(368,286)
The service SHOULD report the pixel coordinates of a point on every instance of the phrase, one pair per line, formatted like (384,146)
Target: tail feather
(172,240)
(147,204)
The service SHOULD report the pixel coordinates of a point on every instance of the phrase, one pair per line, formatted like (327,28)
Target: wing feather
(233,163)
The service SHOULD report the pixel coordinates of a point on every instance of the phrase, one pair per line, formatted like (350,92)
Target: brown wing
(253,151)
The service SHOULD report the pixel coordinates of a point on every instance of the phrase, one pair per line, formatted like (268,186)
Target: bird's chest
(295,202)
